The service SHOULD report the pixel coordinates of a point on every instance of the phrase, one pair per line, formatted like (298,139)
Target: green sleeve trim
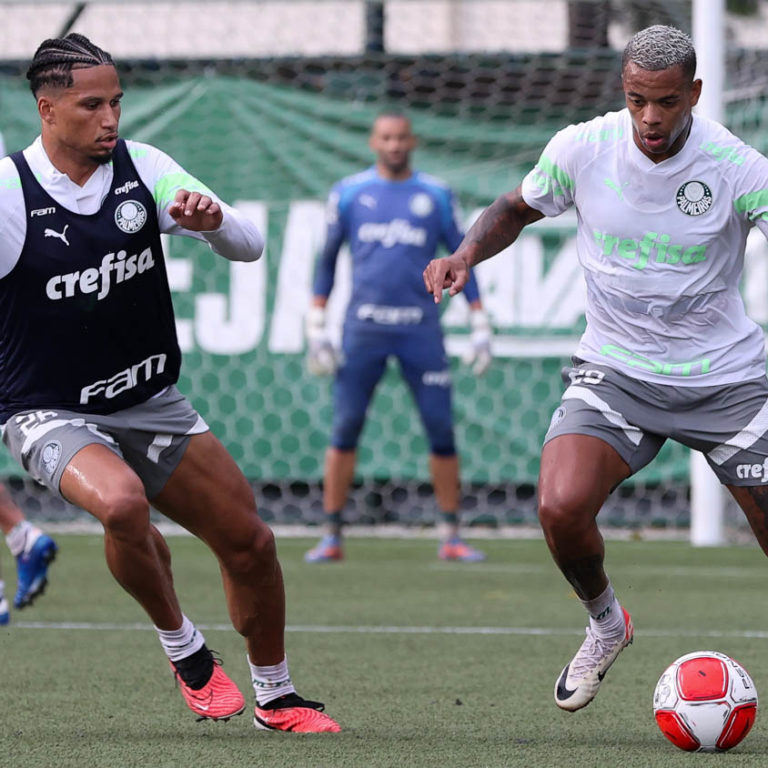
(558,174)
(752,200)
(167,187)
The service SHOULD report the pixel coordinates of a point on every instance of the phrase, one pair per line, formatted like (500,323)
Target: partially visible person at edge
(665,200)
(88,401)
(32,549)
(394,219)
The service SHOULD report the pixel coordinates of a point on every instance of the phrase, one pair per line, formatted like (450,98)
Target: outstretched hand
(195,211)
(322,356)
(450,272)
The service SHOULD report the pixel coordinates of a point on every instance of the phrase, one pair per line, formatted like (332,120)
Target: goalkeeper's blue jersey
(394,229)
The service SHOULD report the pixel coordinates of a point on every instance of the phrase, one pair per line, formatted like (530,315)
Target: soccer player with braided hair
(89,364)
(55,59)
(665,201)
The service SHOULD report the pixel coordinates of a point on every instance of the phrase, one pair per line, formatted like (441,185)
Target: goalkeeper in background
(394,219)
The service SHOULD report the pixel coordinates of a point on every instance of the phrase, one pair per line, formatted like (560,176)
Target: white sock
(22,537)
(271,682)
(605,615)
(182,642)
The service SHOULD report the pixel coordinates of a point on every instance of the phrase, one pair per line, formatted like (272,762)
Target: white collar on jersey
(86,199)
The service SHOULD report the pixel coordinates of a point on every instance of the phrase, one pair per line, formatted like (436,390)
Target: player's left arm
(751,189)
(186,206)
(13,217)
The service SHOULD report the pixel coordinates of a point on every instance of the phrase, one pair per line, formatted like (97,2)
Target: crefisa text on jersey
(100,279)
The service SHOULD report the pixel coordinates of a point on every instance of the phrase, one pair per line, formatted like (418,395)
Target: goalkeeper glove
(479,354)
(322,359)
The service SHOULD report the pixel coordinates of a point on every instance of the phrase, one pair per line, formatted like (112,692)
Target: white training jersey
(662,247)
(237,238)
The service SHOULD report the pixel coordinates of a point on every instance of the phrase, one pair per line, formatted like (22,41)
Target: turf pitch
(423,663)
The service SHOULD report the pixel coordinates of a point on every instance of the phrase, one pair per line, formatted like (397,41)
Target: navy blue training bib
(86,318)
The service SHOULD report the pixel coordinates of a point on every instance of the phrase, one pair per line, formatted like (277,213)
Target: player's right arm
(547,190)
(325,267)
(497,227)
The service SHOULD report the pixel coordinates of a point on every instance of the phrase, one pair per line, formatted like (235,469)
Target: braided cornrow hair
(55,59)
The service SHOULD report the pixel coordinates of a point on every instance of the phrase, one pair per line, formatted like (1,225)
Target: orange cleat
(218,699)
(294,714)
(456,549)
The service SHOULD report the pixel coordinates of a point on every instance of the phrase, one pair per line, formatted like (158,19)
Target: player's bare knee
(251,553)
(125,513)
(562,517)
(263,547)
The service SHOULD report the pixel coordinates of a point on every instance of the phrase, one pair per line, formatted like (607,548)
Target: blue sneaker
(328,550)
(32,570)
(5,617)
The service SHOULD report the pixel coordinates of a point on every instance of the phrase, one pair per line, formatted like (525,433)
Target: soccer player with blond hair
(665,201)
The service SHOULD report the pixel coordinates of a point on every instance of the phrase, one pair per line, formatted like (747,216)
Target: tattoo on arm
(498,226)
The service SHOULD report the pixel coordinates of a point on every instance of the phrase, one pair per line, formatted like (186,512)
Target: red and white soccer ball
(705,702)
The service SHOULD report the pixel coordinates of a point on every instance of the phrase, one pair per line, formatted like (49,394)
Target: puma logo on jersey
(619,190)
(59,235)
(114,268)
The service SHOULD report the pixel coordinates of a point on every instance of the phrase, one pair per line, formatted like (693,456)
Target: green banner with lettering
(274,152)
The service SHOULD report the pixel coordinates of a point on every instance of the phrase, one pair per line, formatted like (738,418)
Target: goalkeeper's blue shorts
(423,364)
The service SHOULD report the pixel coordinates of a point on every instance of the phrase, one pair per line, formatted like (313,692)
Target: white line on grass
(87,525)
(757,571)
(393,630)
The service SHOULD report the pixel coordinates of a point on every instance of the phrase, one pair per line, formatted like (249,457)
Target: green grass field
(423,663)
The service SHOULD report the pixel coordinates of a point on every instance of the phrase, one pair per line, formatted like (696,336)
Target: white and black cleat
(580,680)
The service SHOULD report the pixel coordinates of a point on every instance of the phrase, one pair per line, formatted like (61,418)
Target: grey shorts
(150,437)
(728,423)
